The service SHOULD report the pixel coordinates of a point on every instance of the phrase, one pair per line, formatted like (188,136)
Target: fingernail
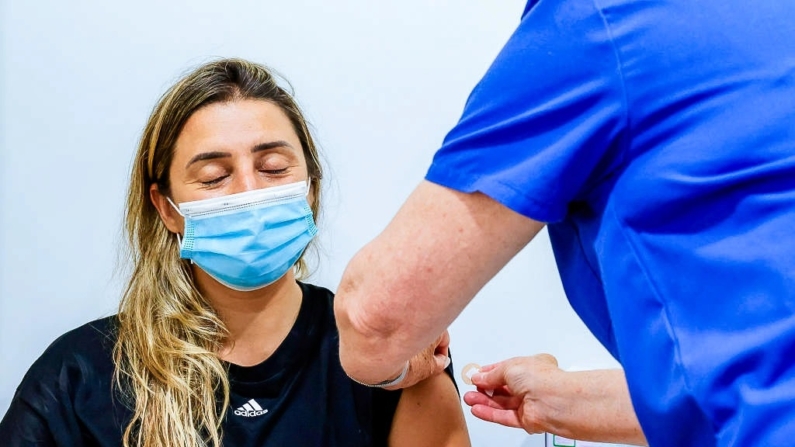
(447,362)
(477,377)
(490,393)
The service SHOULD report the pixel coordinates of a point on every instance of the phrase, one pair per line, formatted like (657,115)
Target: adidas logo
(250,409)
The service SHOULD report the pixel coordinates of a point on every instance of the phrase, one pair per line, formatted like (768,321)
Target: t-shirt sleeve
(384,406)
(41,413)
(25,425)
(544,125)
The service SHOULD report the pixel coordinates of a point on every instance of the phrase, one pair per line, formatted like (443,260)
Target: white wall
(381,82)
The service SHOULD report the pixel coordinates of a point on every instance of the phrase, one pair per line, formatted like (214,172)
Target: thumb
(441,361)
(443,343)
(491,378)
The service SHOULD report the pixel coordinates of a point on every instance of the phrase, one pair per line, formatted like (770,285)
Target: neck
(258,321)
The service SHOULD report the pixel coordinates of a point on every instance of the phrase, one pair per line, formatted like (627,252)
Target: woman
(215,341)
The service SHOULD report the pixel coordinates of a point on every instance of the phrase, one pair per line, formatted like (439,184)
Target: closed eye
(274,171)
(214,181)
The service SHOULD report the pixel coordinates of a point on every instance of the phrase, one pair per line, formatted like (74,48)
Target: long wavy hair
(166,355)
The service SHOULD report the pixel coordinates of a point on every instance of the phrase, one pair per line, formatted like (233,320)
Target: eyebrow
(271,145)
(257,148)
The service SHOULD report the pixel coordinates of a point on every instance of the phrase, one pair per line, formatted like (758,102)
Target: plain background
(380,82)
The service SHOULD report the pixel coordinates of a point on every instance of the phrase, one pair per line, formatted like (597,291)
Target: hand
(516,384)
(534,394)
(427,363)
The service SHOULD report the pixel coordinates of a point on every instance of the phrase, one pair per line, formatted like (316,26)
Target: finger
(488,368)
(473,398)
(441,361)
(502,391)
(507,418)
(443,344)
(442,350)
(444,339)
(503,398)
(491,379)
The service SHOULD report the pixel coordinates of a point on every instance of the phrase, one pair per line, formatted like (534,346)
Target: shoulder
(93,334)
(89,339)
(70,380)
(541,127)
(80,351)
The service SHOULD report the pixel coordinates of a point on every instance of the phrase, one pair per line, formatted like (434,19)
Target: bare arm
(534,394)
(405,287)
(429,414)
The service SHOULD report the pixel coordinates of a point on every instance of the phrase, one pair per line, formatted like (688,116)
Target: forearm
(382,326)
(594,406)
(374,343)
(406,286)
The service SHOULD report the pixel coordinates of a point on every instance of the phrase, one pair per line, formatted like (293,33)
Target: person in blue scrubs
(656,143)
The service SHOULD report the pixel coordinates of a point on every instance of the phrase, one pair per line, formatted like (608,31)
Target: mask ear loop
(176,208)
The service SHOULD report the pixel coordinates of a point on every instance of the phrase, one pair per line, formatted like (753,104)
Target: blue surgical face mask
(247,241)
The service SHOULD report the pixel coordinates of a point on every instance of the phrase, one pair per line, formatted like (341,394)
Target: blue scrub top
(657,139)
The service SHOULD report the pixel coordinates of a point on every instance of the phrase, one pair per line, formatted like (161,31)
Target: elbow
(366,329)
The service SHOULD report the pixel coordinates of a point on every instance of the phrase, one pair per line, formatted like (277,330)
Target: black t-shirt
(300,396)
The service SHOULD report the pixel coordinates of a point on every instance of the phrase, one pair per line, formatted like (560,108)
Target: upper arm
(542,128)
(429,414)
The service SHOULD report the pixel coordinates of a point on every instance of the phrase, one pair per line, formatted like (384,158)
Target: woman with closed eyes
(217,340)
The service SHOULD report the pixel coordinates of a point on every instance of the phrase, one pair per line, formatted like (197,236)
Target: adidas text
(250,409)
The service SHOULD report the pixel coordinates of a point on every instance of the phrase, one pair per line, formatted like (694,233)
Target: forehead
(235,125)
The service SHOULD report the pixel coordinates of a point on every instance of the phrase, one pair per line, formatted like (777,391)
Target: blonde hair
(167,367)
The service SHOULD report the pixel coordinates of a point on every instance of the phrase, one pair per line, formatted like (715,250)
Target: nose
(244,180)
